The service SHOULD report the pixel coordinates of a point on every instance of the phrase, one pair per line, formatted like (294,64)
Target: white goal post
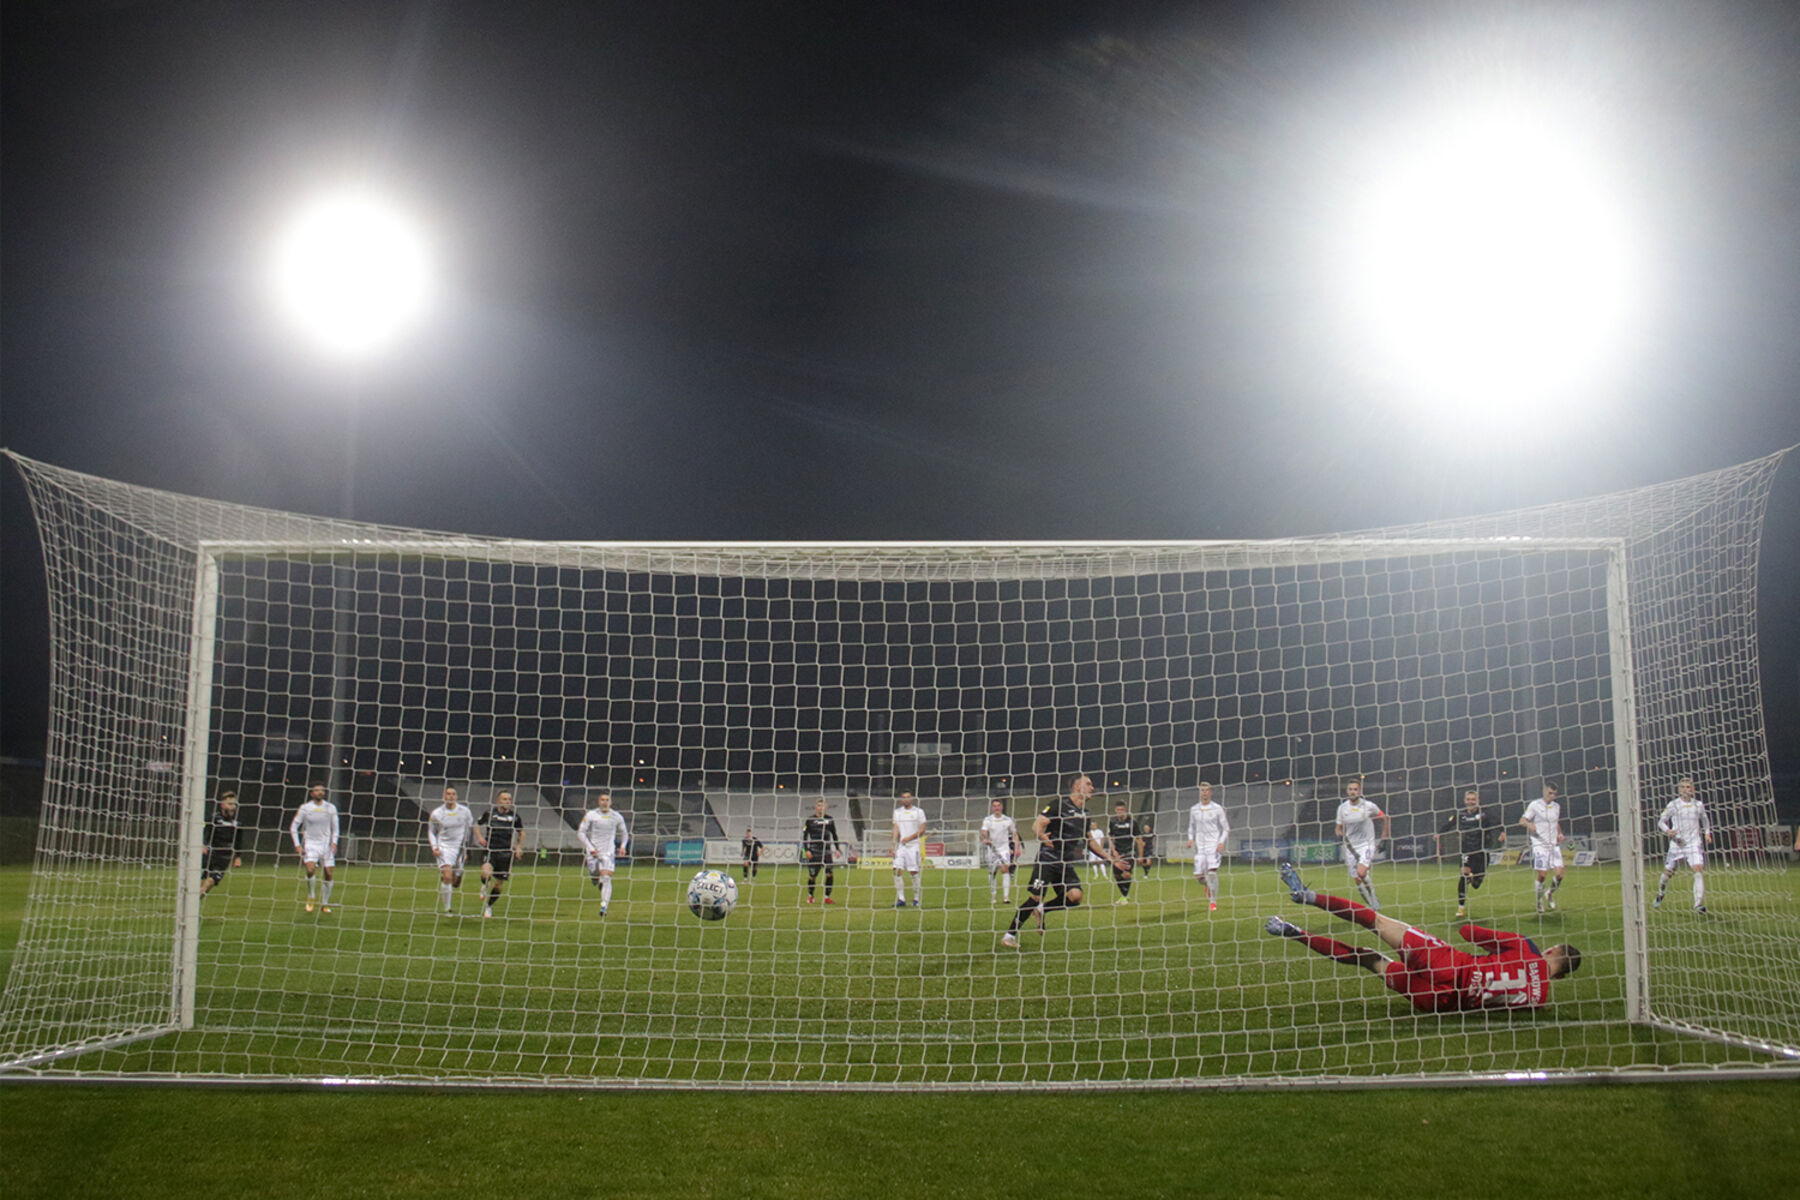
(724,692)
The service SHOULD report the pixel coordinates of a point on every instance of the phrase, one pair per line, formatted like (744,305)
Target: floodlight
(1490,267)
(351,272)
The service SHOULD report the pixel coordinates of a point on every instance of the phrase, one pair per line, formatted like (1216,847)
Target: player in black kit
(221,843)
(502,830)
(1477,831)
(1125,835)
(1061,830)
(753,852)
(818,842)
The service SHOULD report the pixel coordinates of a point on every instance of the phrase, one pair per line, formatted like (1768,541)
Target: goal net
(719,696)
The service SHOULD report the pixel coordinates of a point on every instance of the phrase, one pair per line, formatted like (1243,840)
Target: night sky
(872,270)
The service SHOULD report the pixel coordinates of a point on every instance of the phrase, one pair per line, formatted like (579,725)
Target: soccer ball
(712,895)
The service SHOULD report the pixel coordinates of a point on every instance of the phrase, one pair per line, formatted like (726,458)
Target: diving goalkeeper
(1430,972)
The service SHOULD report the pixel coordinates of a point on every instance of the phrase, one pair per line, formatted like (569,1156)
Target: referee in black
(221,843)
(502,830)
(818,842)
(1476,828)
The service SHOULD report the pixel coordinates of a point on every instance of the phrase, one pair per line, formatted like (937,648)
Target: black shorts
(1476,864)
(819,862)
(1060,875)
(500,863)
(215,868)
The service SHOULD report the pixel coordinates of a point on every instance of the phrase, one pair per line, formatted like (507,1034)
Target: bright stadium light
(351,272)
(1491,271)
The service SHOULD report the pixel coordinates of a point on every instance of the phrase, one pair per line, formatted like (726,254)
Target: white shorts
(1358,856)
(906,858)
(1206,858)
(998,858)
(450,856)
(318,852)
(1693,856)
(602,862)
(1546,858)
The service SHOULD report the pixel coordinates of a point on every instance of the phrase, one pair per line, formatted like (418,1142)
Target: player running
(1689,830)
(1000,849)
(603,837)
(501,830)
(221,843)
(315,833)
(818,843)
(1543,821)
(1061,830)
(1127,847)
(447,829)
(1356,819)
(1476,828)
(1431,973)
(1208,830)
(909,827)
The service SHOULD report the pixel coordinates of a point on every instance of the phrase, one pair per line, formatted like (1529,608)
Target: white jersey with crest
(1545,817)
(999,830)
(448,828)
(1358,819)
(1208,826)
(1686,822)
(603,833)
(908,822)
(315,826)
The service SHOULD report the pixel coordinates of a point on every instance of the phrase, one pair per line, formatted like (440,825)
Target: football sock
(830,878)
(1700,889)
(1462,890)
(1349,910)
(312,886)
(493,895)
(1333,949)
(1662,885)
(327,896)
(1023,915)
(1367,888)
(606,891)
(1005,887)
(918,889)
(1212,885)
(899,887)
(444,896)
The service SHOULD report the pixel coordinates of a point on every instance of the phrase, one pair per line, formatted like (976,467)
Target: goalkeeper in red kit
(1430,972)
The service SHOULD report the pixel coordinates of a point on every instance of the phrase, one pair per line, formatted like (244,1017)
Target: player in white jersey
(1098,849)
(1543,821)
(1689,830)
(909,827)
(1208,829)
(604,837)
(1356,819)
(448,829)
(315,833)
(1000,837)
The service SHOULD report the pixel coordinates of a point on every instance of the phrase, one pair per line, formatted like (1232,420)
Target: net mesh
(723,693)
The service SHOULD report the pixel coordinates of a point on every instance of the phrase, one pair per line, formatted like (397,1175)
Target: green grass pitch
(1124,979)
(863,994)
